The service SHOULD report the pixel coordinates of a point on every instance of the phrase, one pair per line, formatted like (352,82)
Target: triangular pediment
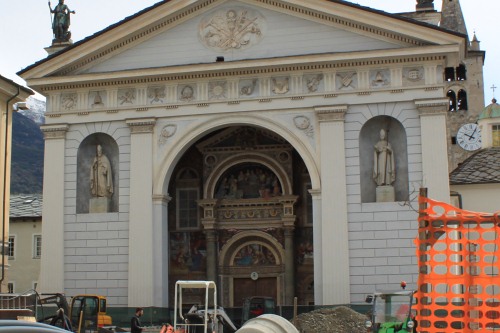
(180,33)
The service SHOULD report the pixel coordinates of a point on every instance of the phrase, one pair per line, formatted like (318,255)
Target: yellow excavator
(84,313)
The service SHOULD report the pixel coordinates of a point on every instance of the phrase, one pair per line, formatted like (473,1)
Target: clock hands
(472,135)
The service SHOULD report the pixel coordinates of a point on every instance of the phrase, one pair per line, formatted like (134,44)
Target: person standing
(135,323)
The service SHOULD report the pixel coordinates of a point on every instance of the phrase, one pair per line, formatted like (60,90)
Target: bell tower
(452,17)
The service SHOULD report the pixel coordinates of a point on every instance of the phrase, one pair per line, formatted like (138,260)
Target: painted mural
(305,249)
(248,181)
(188,252)
(254,254)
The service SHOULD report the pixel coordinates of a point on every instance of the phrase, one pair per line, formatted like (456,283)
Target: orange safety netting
(459,259)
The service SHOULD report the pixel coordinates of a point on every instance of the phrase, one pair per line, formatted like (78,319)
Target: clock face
(469,137)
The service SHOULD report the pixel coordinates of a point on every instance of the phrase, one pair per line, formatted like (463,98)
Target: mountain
(36,110)
(27,150)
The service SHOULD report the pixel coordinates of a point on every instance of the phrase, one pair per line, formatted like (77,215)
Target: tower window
(461,73)
(495,134)
(462,100)
(449,74)
(452,100)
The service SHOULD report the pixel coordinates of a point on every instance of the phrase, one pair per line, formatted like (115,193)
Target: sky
(25,28)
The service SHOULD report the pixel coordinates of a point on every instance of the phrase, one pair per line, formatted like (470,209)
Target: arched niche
(85,158)
(241,160)
(230,252)
(247,181)
(396,136)
(452,98)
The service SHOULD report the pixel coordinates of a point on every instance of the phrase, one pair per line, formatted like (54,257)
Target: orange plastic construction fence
(458,257)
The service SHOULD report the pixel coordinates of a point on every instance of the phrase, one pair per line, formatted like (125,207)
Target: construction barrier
(458,258)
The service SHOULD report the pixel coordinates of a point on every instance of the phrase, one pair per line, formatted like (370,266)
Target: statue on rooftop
(422,4)
(61,21)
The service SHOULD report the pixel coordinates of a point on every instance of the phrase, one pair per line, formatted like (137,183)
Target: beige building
(11,93)
(25,242)
(274,147)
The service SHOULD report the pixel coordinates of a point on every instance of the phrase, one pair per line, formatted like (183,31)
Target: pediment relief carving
(236,28)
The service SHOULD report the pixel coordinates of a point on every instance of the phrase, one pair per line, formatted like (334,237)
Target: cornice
(331,112)
(57,131)
(432,107)
(346,61)
(142,125)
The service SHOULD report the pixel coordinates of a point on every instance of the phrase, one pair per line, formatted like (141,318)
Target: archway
(268,196)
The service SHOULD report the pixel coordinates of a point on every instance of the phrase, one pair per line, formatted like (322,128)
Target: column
(434,147)
(140,274)
(209,225)
(318,246)
(161,250)
(335,245)
(52,261)
(288,221)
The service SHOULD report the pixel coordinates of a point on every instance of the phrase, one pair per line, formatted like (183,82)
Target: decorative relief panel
(313,83)
(69,101)
(126,96)
(232,29)
(217,90)
(97,99)
(380,78)
(156,95)
(280,85)
(166,132)
(303,123)
(248,88)
(347,80)
(186,93)
(413,75)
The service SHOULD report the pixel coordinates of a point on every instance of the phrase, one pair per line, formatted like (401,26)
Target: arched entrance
(240,212)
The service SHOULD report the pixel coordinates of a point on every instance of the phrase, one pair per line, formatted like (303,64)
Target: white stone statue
(384,171)
(101,176)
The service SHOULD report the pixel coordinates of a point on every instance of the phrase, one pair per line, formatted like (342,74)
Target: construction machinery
(84,313)
(257,305)
(206,318)
(392,312)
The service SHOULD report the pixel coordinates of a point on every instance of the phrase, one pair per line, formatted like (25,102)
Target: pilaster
(334,229)
(52,260)
(141,239)
(434,147)
(160,249)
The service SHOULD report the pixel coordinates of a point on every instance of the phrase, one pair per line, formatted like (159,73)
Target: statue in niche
(101,177)
(425,3)
(384,171)
(61,21)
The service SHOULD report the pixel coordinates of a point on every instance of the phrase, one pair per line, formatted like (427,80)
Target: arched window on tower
(452,100)
(449,74)
(462,100)
(461,73)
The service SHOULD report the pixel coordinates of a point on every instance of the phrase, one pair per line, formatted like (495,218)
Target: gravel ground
(332,320)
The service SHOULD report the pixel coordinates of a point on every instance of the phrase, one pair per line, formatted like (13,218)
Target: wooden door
(247,287)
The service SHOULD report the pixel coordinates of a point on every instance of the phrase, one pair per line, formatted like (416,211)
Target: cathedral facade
(275,147)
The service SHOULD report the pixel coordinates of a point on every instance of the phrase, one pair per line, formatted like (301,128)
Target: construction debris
(331,320)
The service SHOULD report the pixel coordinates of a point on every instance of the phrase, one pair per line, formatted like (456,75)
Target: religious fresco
(188,252)
(305,248)
(254,254)
(247,181)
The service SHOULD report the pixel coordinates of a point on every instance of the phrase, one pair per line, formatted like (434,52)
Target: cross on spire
(493,87)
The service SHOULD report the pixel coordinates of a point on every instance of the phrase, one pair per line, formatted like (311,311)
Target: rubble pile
(332,320)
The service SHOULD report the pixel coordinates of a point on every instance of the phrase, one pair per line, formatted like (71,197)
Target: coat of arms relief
(232,29)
